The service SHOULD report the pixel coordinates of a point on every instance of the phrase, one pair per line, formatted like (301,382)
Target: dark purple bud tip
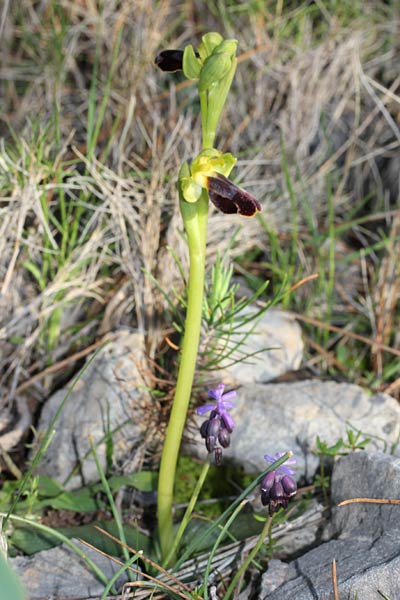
(265,499)
(289,486)
(218,456)
(274,506)
(169,60)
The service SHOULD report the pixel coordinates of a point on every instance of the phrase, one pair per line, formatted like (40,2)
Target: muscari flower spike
(278,486)
(217,428)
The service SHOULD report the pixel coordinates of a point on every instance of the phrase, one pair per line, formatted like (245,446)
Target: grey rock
(365,475)
(61,573)
(288,416)
(363,568)
(274,577)
(295,536)
(275,338)
(110,396)
(367,551)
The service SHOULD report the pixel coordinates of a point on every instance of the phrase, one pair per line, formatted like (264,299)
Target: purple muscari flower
(217,428)
(283,469)
(278,486)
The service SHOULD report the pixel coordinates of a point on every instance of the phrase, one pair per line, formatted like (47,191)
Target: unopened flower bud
(224,438)
(210,442)
(289,485)
(268,481)
(276,492)
(214,426)
(204,429)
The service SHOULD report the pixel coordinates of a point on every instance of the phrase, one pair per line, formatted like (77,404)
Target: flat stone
(110,396)
(275,342)
(289,416)
(61,573)
(276,575)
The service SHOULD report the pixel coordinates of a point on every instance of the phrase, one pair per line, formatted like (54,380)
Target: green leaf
(145,481)
(11,587)
(75,501)
(191,65)
(35,271)
(48,487)
(30,541)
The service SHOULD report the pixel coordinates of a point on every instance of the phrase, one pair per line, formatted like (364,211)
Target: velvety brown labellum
(231,199)
(169,60)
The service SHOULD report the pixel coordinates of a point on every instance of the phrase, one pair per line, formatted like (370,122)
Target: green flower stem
(207,137)
(251,556)
(188,512)
(195,217)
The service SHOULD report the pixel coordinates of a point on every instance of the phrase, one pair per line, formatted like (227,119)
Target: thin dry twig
(153,564)
(335,581)
(138,583)
(369,501)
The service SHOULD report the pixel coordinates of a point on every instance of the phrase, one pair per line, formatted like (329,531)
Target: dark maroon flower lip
(231,199)
(169,60)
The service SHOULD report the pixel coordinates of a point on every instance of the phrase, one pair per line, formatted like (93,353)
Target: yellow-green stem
(188,513)
(195,218)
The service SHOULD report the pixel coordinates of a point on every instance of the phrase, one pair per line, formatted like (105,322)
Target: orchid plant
(213,65)
(206,178)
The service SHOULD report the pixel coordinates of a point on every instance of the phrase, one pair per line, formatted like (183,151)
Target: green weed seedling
(356,440)
(323,451)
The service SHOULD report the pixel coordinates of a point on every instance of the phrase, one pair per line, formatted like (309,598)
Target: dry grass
(332,97)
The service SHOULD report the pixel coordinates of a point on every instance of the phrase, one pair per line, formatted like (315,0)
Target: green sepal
(184,171)
(209,42)
(214,69)
(228,46)
(190,190)
(191,65)
(228,164)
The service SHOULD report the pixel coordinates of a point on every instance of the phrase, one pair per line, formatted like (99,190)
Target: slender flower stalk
(277,488)
(195,220)
(243,567)
(186,517)
(213,64)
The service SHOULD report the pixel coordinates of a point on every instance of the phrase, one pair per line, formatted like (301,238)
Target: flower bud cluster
(217,428)
(217,435)
(278,486)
